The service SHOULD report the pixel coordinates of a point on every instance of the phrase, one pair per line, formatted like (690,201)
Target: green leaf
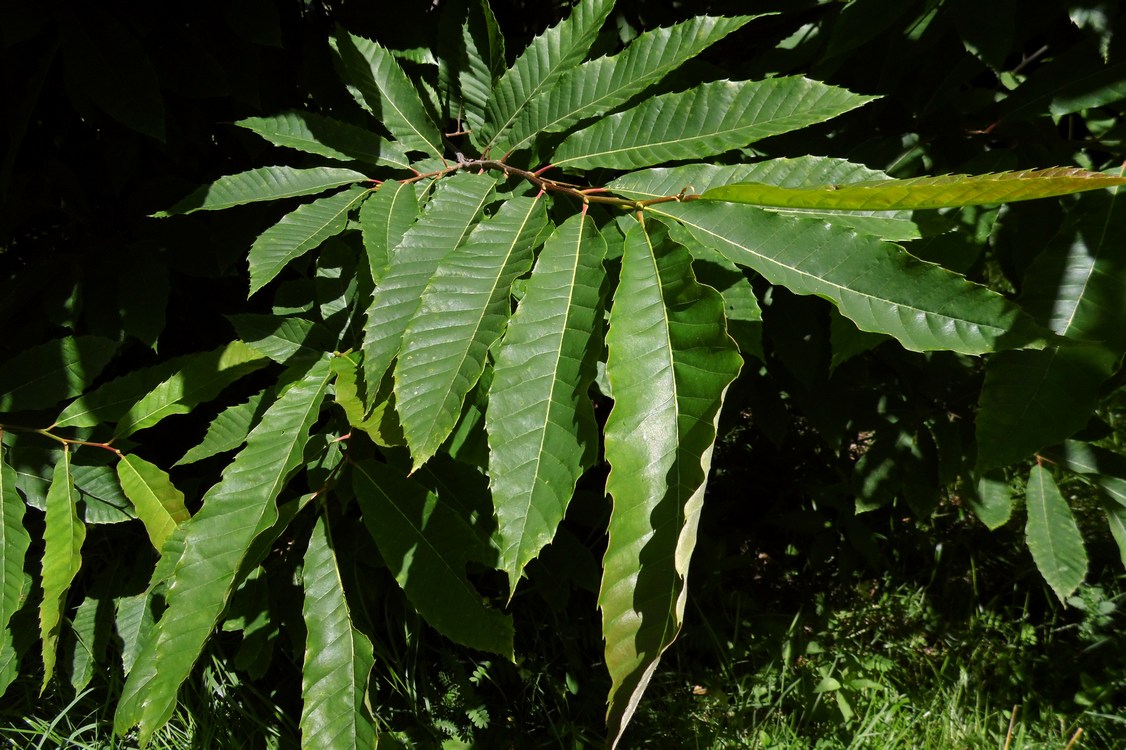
(704,121)
(1107,469)
(669,363)
(216,542)
(427,545)
(549,56)
(338,657)
(298,232)
(1077,286)
(201,380)
(44,375)
(597,87)
(381,423)
(461,314)
(992,500)
(283,339)
(468,71)
(384,219)
(802,172)
(228,430)
(450,215)
(109,402)
(14,541)
(63,535)
(133,621)
(160,506)
(1033,398)
(540,419)
(263,184)
(325,136)
(389,94)
(1053,536)
(90,631)
(1116,520)
(875,284)
(923,192)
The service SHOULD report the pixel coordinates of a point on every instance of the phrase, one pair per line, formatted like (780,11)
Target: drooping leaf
(63,535)
(160,506)
(201,380)
(14,542)
(922,192)
(384,219)
(450,215)
(263,184)
(427,545)
(540,420)
(1077,287)
(704,121)
(549,56)
(1053,536)
(228,430)
(596,87)
(298,232)
(669,363)
(325,136)
(461,314)
(388,92)
(216,542)
(52,372)
(875,284)
(338,657)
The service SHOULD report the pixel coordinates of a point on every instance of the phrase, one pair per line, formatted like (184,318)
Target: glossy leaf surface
(875,284)
(263,184)
(325,136)
(539,419)
(160,506)
(338,657)
(669,363)
(461,314)
(63,535)
(707,120)
(216,542)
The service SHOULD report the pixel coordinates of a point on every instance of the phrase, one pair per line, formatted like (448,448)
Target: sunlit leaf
(1053,536)
(539,419)
(875,284)
(298,232)
(14,542)
(216,542)
(922,192)
(669,363)
(450,215)
(387,91)
(63,536)
(263,184)
(160,506)
(461,314)
(338,657)
(325,136)
(704,121)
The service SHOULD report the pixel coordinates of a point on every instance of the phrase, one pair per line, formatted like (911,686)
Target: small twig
(1074,738)
(1012,725)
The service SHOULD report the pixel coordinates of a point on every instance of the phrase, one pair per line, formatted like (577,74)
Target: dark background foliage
(116,110)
